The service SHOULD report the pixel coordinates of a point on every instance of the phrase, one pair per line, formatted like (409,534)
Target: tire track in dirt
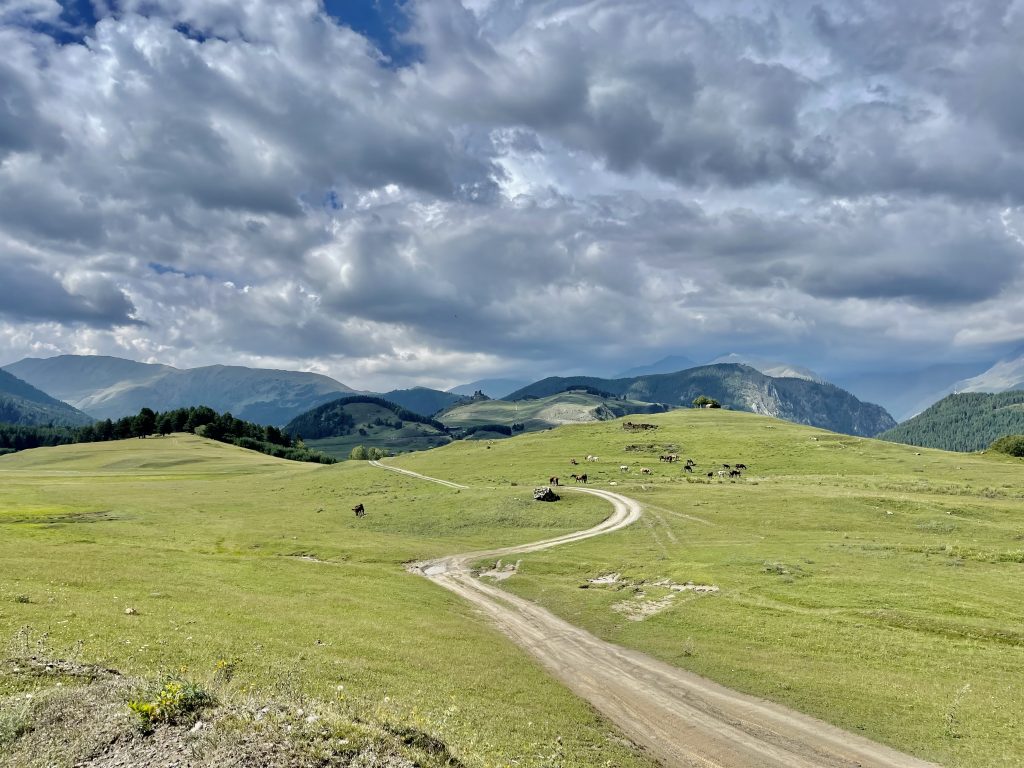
(679,718)
(418,476)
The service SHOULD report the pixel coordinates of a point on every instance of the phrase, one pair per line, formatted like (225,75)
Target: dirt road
(417,475)
(680,718)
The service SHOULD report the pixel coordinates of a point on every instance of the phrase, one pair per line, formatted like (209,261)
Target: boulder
(544,493)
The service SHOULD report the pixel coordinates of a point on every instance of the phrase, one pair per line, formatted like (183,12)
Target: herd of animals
(728,470)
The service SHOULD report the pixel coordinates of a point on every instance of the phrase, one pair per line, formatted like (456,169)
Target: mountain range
(111,387)
(739,387)
(25,405)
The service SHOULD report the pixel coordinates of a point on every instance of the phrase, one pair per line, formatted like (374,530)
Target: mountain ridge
(742,388)
(964,421)
(112,387)
(25,405)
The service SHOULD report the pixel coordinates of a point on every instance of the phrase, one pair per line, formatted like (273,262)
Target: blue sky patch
(382,22)
(77,19)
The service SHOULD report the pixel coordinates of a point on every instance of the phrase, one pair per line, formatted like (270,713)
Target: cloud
(544,187)
(31,293)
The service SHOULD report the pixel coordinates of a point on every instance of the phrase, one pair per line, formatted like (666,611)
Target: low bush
(176,702)
(1011,445)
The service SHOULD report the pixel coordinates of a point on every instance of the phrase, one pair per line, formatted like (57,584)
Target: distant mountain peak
(1006,375)
(667,364)
(771,368)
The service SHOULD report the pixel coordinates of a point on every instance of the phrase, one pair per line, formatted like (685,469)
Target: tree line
(200,420)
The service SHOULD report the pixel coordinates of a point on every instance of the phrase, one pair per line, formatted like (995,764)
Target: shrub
(705,402)
(1011,445)
(176,702)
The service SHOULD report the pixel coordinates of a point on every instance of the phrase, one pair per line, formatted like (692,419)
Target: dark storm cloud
(30,293)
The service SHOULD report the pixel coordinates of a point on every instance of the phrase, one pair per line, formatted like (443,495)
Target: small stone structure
(544,493)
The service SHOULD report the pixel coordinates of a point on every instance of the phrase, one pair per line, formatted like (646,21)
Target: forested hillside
(969,421)
(23,404)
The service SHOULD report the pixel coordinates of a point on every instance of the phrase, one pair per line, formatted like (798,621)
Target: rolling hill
(111,387)
(969,421)
(847,578)
(574,407)
(335,428)
(24,405)
(738,387)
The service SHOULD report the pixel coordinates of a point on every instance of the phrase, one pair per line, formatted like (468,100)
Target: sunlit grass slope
(225,553)
(542,413)
(878,586)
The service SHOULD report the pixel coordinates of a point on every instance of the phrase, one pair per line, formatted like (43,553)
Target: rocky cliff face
(742,388)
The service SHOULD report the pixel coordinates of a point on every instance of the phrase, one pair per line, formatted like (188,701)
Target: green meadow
(877,586)
(226,554)
(871,584)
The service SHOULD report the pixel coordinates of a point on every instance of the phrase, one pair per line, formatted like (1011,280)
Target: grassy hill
(738,387)
(969,421)
(24,405)
(543,413)
(337,427)
(856,578)
(230,556)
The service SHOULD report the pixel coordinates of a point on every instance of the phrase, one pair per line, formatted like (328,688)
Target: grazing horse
(359,510)
(734,473)
(553,480)
(575,477)
(711,474)
(573,462)
(688,468)
(741,466)
(645,471)
(582,478)
(721,473)
(623,468)
(726,466)
(591,458)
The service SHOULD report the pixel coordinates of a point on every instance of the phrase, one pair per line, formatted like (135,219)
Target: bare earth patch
(501,572)
(640,608)
(78,716)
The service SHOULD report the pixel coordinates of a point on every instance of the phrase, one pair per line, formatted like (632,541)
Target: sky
(431,192)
